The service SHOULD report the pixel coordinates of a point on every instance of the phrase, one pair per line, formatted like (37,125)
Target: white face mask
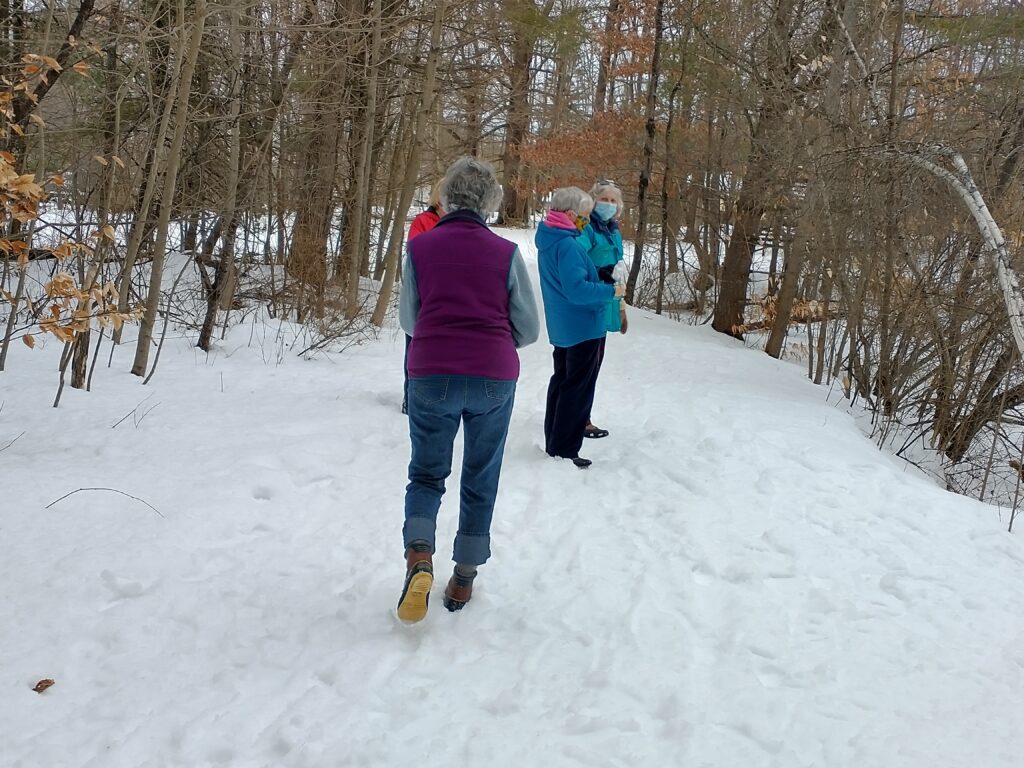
(606,211)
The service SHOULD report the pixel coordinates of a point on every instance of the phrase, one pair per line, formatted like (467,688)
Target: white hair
(571,199)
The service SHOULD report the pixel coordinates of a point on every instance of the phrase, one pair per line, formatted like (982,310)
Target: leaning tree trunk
(412,165)
(151,172)
(223,280)
(961,182)
(167,197)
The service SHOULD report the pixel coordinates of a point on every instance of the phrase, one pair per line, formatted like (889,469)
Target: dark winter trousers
(600,362)
(570,396)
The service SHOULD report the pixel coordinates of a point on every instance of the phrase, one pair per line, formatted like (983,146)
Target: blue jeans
(438,405)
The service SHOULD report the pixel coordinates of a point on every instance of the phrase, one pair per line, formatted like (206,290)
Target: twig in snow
(112,490)
(12,442)
(133,410)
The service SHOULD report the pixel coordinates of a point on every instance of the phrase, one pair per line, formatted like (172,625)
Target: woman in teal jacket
(603,242)
(575,299)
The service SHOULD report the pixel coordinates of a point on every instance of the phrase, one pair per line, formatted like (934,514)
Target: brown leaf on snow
(30,342)
(42,685)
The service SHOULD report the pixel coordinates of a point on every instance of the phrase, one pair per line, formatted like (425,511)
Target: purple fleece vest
(463,327)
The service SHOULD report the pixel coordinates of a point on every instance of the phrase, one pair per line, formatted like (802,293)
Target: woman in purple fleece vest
(468,304)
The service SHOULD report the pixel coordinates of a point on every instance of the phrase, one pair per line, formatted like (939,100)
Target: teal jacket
(574,297)
(603,243)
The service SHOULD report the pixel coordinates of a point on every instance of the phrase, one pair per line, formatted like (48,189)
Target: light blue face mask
(606,211)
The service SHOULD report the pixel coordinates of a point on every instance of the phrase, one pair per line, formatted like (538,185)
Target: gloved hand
(605,273)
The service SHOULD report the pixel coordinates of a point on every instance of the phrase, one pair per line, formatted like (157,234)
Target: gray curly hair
(571,199)
(470,184)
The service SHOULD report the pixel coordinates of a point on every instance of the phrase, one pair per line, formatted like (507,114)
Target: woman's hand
(620,290)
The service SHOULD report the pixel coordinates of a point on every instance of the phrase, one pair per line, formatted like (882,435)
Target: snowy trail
(741,579)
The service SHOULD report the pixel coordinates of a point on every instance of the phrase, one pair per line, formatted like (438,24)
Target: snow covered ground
(742,579)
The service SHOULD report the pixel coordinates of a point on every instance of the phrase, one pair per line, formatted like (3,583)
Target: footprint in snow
(122,587)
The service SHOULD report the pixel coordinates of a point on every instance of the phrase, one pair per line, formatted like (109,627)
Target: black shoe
(582,463)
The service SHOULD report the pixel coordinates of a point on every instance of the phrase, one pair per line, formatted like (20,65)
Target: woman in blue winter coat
(603,241)
(575,302)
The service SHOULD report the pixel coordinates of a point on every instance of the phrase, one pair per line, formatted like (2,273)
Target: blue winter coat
(574,297)
(603,242)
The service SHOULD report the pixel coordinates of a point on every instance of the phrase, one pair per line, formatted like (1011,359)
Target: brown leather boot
(458,592)
(419,578)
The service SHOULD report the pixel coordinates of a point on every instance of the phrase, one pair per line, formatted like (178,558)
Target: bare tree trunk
(794,254)
(758,180)
(156,161)
(223,282)
(412,164)
(513,210)
(80,361)
(732,297)
(791,266)
(645,173)
(170,180)
(826,302)
(307,261)
(669,172)
(605,64)
(362,203)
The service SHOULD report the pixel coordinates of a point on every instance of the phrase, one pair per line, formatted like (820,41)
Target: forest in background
(782,164)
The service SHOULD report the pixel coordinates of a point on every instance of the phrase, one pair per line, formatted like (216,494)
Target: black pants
(570,396)
(600,361)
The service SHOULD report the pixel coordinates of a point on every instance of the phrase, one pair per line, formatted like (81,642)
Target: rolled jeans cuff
(472,548)
(419,529)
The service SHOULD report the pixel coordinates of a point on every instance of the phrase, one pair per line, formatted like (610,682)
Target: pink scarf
(559,220)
